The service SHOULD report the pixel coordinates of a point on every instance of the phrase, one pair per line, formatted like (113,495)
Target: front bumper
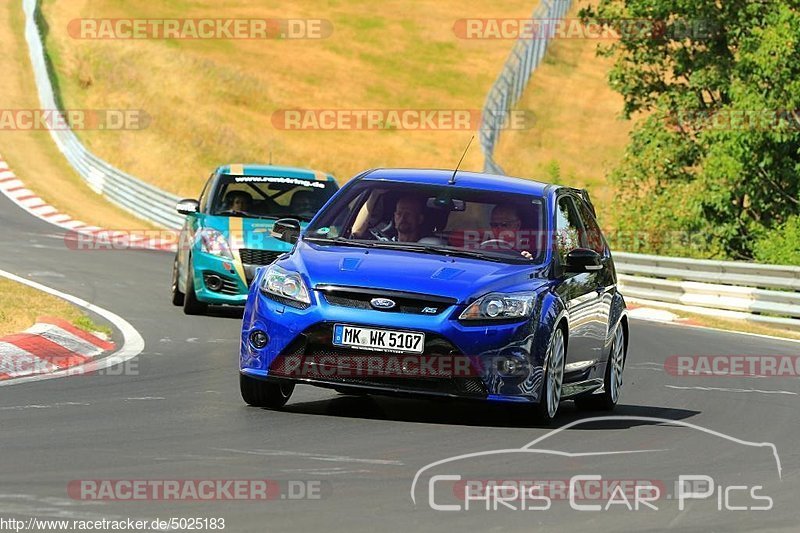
(306,334)
(232,289)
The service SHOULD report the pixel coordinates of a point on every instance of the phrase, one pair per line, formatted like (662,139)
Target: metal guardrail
(130,193)
(741,290)
(767,294)
(525,57)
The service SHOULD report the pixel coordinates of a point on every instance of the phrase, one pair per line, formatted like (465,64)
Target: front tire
(191,305)
(264,393)
(177,295)
(550,399)
(612,381)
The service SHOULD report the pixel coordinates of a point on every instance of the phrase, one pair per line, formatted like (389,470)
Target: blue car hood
(452,277)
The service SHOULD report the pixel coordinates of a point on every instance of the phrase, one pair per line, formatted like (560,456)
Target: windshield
(436,219)
(270,196)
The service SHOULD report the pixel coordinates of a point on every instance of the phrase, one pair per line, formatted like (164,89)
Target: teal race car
(226,236)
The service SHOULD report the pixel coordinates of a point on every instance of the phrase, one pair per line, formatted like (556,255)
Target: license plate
(378,339)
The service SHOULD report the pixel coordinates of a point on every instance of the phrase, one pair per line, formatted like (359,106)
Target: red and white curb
(132,341)
(82,236)
(48,346)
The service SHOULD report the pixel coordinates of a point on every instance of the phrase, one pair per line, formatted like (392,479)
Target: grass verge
(32,154)
(578,135)
(22,305)
(212,101)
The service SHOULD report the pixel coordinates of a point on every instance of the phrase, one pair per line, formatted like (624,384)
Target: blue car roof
(472,180)
(255,169)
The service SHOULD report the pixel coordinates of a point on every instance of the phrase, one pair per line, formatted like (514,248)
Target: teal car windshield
(271,197)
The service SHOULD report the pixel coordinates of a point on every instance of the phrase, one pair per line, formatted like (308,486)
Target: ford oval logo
(382,303)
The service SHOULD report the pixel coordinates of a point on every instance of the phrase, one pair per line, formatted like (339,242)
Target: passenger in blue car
(506,225)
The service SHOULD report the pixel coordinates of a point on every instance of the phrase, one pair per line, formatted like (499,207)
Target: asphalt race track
(176,413)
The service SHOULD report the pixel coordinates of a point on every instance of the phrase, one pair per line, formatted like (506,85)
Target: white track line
(132,345)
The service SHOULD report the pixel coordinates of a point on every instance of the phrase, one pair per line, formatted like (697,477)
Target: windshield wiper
(341,241)
(437,250)
(466,253)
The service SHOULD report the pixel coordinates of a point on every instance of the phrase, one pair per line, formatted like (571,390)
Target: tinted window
(593,235)
(568,228)
(486,223)
(204,195)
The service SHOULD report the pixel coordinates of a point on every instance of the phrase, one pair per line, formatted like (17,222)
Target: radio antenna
(452,180)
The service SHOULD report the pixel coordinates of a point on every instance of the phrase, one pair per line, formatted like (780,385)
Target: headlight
(213,242)
(280,282)
(498,306)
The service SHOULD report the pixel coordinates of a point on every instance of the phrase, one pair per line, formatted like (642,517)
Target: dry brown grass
(743,326)
(212,101)
(578,130)
(22,305)
(32,154)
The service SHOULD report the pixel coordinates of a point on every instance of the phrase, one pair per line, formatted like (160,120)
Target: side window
(568,228)
(338,219)
(593,235)
(204,195)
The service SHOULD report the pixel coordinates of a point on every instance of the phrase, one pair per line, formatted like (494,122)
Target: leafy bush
(781,245)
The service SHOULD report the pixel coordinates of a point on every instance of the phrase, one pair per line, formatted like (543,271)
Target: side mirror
(187,206)
(583,260)
(286,230)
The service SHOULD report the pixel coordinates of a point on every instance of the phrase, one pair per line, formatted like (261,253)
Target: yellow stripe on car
(236,232)
(237,169)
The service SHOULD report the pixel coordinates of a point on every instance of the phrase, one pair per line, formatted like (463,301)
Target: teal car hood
(253,233)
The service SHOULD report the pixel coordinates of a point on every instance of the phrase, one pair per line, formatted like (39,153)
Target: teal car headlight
(498,306)
(280,282)
(214,242)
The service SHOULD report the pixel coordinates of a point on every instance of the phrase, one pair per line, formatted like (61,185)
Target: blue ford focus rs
(430,282)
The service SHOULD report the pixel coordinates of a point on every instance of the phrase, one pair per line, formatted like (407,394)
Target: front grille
(450,386)
(251,256)
(229,286)
(405,302)
(315,343)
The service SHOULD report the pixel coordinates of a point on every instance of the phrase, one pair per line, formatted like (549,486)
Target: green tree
(716,155)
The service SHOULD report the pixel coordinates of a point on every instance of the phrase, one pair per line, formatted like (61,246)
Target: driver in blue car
(506,224)
(407,223)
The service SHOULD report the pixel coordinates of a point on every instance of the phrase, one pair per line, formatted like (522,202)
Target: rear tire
(191,305)
(612,381)
(264,393)
(550,400)
(177,295)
